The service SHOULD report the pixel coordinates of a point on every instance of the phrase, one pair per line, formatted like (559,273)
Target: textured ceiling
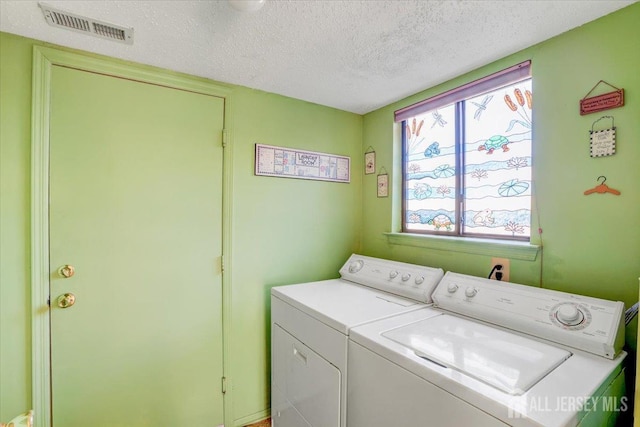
(352,55)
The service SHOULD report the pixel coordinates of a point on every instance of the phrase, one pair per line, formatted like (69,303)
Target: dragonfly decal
(438,120)
(482,106)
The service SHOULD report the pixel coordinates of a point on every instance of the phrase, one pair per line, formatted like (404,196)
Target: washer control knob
(470,292)
(419,280)
(452,288)
(568,314)
(393,274)
(406,277)
(356,266)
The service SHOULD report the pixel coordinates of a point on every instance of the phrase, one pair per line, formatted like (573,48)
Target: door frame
(44,58)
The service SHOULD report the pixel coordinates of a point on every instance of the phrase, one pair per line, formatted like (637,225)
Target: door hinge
(222,264)
(225,137)
(224,385)
(49,301)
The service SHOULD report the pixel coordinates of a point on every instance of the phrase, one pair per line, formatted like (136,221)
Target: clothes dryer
(310,324)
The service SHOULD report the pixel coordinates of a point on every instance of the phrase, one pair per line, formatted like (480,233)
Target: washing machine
(489,353)
(310,324)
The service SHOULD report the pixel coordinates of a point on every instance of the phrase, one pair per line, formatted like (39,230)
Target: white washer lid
(507,361)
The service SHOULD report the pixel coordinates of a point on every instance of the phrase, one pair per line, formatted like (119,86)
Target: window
(467,159)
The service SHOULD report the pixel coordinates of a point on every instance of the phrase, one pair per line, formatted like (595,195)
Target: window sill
(498,248)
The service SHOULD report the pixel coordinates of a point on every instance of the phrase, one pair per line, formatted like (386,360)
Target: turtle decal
(440,221)
(493,143)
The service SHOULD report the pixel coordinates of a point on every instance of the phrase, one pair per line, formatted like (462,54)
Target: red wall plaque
(602,102)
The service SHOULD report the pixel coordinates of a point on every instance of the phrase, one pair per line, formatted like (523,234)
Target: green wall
(591,244)
(288,231)
(284,230)
(15,296)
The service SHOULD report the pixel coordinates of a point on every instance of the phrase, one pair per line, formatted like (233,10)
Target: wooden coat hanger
(602,188)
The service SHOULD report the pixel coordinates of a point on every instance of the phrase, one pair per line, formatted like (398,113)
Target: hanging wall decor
(606,101)
(602,142)
(293,163)
(383,183)
(602,188)
(370,161)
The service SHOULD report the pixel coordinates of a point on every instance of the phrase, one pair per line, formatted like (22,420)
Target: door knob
(66,271)
(66,300)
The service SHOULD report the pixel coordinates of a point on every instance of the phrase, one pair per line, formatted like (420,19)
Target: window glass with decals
(467,165)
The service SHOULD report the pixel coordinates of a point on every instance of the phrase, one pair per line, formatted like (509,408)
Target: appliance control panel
(408,280)
(589,324)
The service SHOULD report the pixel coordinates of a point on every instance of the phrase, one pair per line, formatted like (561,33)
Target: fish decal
(432,150)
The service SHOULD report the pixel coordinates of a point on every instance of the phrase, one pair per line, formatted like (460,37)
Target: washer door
(307,382)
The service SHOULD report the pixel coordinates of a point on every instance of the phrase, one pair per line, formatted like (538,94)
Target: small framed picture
(383,185)
(369,162)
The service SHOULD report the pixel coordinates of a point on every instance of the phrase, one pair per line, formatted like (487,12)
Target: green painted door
(136,209)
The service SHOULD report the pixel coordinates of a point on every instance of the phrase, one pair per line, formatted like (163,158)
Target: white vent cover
(59,18)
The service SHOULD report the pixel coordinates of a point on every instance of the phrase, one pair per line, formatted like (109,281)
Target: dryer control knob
(452,288)
(406,277)
(419,280)
(470,292)
(356,266)
(393,274)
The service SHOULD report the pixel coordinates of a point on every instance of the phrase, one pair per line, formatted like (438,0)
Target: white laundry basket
(23,420)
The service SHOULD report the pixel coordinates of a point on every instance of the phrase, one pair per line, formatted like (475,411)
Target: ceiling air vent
(71,21)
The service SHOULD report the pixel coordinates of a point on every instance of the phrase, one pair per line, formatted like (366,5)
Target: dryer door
(307,382)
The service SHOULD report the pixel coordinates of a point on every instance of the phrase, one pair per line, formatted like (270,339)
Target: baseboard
(253,418)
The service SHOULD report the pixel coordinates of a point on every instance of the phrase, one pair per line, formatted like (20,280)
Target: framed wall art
(293,163)
(370,161)
(383,183)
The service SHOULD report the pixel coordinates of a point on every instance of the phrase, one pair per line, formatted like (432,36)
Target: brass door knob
(66,300)
(66,271)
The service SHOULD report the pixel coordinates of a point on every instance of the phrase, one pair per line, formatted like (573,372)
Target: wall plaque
(606,101)
(294,163)
(602,142)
